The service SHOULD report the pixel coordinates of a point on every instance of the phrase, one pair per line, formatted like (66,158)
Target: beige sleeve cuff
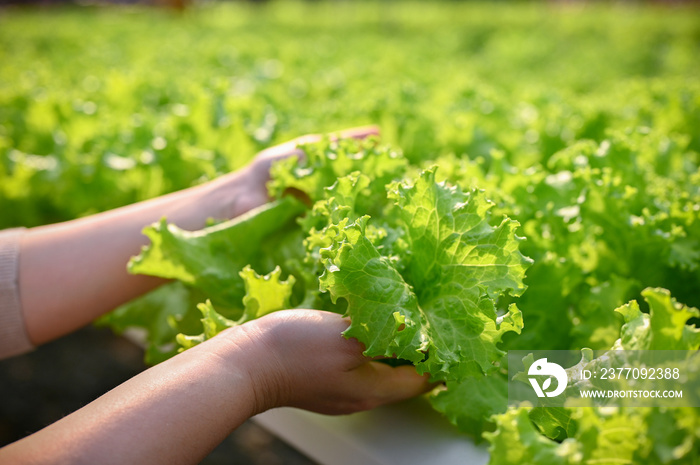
(13,334)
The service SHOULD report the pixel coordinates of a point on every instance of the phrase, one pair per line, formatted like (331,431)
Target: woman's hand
(178,411)
(246,188)
(302,360)
(73,272)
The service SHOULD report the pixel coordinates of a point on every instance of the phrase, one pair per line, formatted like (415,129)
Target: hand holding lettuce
(426,272)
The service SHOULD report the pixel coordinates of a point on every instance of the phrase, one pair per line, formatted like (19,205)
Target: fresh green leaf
(264,294)
(445,320)
(211,259)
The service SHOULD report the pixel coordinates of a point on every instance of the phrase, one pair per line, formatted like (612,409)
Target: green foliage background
(184,97)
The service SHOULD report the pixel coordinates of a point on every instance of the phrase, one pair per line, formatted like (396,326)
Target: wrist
(248,350)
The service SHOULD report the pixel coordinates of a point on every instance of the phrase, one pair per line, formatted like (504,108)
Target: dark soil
(43,386)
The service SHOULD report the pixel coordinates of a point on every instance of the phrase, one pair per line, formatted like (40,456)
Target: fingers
(387,385)
(291,148)
(402,382)
(360,132)
(327,373)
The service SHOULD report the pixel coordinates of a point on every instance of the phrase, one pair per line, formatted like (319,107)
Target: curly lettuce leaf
(601,437)
(156,318)
(471,402)
(609,435)
(663,328)
(517,441)
(382,307)
(210,259)
(326,161)
(440,314)
(675,435)
(612,435)
(339,205)
(448,231)
(264,294)
(213,323)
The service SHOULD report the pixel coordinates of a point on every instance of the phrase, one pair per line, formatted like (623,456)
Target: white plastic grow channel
(409,433)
